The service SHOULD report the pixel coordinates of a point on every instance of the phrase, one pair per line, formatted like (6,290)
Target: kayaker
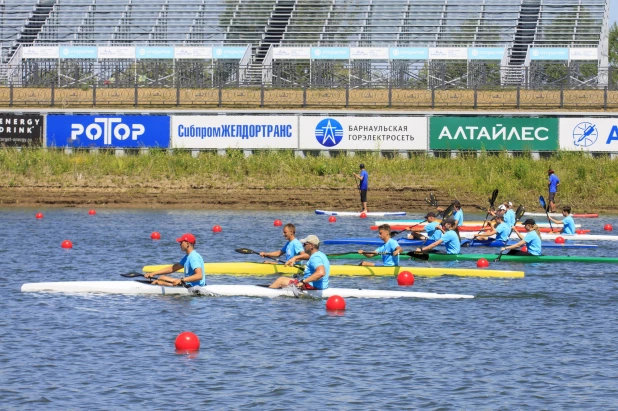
(457,212)
(431,228)
(192,263)
(292,248)
(509,215)
(532,240)
(502,231)
(317,270)
(363,186)
(567,221)
(390,250)
(553,184)
(451,238)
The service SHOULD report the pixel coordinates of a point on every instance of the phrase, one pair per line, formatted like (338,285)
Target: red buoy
(216,229)
(405,279)
(482,263)
(335,303)
(187,341)
(332,219)
(524,249)
(155,235)
(278,223)
(363,215)
(92,212)
(559,240)
(39,215)
(608,227)
(67,244)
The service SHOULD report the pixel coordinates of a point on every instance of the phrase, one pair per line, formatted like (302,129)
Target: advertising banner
(486,53)
(154,52)
(21,130)
(108,131)
(192,53)
(363,133)
(448,53)
(291,53)
(330,53)
(78,52)
(589,134)
(369,53)
(493,133)
(590,53)
(409,53)
(243,132)
(543,53)
(116,52)
(230,53)
(40,52)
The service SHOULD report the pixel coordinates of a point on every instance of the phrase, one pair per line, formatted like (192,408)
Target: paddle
(518,215)
(418,256)
(546,208)
(249,251)
(132,274)
(492,201)
(356,252)
(446,214)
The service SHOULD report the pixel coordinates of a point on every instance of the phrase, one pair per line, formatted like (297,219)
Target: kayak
(478,228)
(253,269)
(357,213)
(138,287)
(559,215)
(404,242)
(567,237)
(505,257)
(479,224)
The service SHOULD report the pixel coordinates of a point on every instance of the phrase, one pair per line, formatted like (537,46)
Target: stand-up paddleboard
(357,213)
(404,242)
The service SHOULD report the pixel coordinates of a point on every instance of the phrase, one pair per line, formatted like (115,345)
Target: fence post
(262,94)
(177,93)
(390,94)
(11,95)
(220,95)
(94,94)
(347,95)
(475,97)
(605,98)
(305,95)
(518,96)
(136,95)
(433,97)
(561,96)
(53,94)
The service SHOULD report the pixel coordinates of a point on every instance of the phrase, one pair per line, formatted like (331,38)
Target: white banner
(589,134)
(291,53)
(448,53)
(196,53)
(116,52)
(243,132)
(590,53)
(363,133)
(369,53)
(45,52)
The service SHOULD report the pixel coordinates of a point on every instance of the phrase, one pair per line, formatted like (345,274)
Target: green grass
(587,183)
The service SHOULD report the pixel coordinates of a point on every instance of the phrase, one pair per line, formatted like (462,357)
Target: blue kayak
(404,242)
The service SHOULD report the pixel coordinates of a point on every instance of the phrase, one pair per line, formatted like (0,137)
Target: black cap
(529,221)
(456,203)
(362,165)
(430,214)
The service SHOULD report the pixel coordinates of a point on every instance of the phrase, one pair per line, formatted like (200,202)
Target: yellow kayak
(247,268)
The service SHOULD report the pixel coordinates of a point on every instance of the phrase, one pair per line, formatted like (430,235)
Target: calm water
(544,342)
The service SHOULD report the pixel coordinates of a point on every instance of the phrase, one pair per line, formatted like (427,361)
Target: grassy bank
(587,183)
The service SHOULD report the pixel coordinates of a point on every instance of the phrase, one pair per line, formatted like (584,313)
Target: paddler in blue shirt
(567,221)
(532,240)
(363,187)
(502,231)
(431,228)
(390,250)
(451,239)
(291,249)
(317,270)
(192,263)
(509,215)
(457,214)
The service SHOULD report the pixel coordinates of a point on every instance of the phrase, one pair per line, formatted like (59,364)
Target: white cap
(501,207)
(510,204)
(311,239)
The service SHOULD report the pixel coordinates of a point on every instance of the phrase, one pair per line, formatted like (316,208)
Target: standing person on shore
(532,240)
(431,228)
(316,272)
(390,250)
(192,262)
(553,184)
(291,249)
(363,186)
(569,223)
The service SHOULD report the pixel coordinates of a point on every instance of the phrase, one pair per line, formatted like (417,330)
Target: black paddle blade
(132,274)
(245,251)
(519,213)
(434,202)
(418,256)
(492,200)
(448,212)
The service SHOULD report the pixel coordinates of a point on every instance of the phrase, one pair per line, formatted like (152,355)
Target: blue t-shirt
(389,260)
(504,231)
(364,184)
(509,217)
(533,242)
(569,225)
(317,259)
(292,248)
(451,241)
(458,216)
(432,232)
(190,262)
(553,183)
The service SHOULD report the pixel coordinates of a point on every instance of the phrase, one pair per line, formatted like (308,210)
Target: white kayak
(553,236)
(357,213)
(138,287)
(559,215)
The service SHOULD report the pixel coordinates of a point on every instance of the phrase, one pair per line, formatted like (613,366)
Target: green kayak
(489,257)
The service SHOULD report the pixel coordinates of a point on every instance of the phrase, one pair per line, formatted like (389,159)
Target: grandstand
(515,25)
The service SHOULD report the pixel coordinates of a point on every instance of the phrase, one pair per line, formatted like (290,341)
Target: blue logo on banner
(543,53)
(585,134)
(108,131)
(329,132)
(78,52)
(330,53)
(485,53)
(409,53)
(154,52)
(230,53)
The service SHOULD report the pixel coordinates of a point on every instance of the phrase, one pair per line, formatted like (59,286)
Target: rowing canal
(547,341)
